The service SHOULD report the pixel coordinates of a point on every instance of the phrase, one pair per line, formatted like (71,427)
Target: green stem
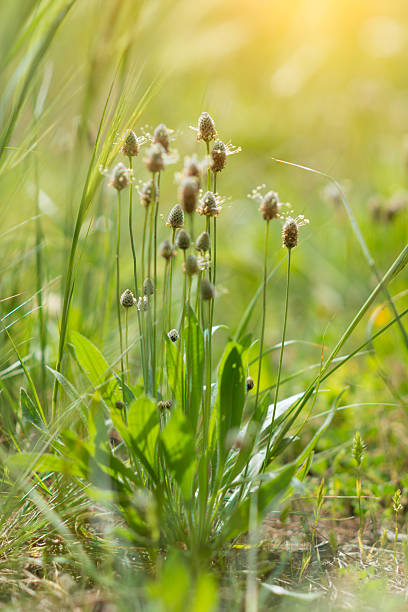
(156,214)
(122,368)
(132,244)
(127,344)
(282,348)
(263,313)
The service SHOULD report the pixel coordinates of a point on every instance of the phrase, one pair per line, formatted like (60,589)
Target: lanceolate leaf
(143,427)
(231,394)
(269,495)
(96,369)
(180,451)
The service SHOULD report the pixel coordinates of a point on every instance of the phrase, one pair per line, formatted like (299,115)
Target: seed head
(209,205)
(154,160)
(166,250)
(290,231)
(192,168)
(218,156)
(269,208)
(250,383)
(127,299)
(120,177)
(176,217)
(207,290)
(190,266)
(189,193)
(358,449)
(183,240)
(130,147)
(146,193)
(206,128)
(203,242)
(148,287)
(161,136)
(164,405)
(173,335)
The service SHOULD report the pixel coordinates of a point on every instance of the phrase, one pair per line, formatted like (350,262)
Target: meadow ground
(230,432)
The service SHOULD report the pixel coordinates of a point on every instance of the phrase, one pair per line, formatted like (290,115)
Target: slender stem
(127,344)
(132,244)
(118,291)
(171,280)
(263,312)
(282,348)
(144,242)
(156,213)
(209,170)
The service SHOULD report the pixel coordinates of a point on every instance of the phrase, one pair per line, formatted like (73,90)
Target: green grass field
(203,377)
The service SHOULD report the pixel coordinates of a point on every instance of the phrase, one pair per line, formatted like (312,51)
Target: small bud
(218,156)
(127,299)
(166,250)
(189,193)
(120,177)
(164,405)
(183,240)
(154,159)
(148,287)
(206,128)
(203,242)
(269,208)
(176,217)
(250,383)
(191,266)
(130,147)
(161,136)
(146,193)
(119,405)
(207,290)
(173,335)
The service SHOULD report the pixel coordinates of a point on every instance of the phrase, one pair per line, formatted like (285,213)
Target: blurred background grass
(316,82)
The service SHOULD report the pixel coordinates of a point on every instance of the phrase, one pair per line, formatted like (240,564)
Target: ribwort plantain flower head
(189,194)
(148,286)
(219,154)
(206,128)
(269,207)
(127,299)
(120,177)
(173,335)
(161,136)
(154,159)
(190,266)
(146,193)
(210,205)
(250,383)
(166,250)
(192,168)
(176,217)
(290,231)
(207,290)
(203,242)
(183,240)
